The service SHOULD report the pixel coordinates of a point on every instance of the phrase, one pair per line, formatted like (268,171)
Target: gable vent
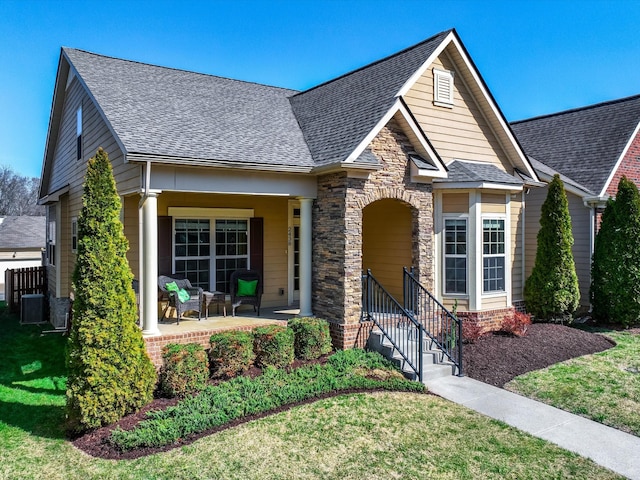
(443,88)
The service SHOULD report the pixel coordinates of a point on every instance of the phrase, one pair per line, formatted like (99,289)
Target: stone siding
(337,227)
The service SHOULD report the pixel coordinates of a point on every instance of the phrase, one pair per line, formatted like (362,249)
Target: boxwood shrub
(273,346)
(312,337)
(185,370)
(231,353)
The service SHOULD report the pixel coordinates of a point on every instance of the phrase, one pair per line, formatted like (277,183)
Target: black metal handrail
(395,323)
(442,327)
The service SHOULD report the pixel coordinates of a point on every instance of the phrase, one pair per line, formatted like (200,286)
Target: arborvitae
(615,271)
(109,371)
(552,289)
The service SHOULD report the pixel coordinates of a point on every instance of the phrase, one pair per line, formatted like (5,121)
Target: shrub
(220,404)
(516,324)
(312,337)
(110,373)
(615,271)
(231,353)
(185,370)
(273,346)
(552,289)
(471,330)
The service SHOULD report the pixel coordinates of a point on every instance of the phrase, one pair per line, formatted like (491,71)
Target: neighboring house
(591,148)
(22,241)
(405,162)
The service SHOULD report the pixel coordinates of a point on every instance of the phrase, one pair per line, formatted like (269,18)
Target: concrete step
(435,364)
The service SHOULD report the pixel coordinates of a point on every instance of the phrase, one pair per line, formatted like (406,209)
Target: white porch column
(305,257)
(149,284)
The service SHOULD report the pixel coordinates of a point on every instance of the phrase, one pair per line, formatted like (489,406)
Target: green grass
(604,387)
(385,435)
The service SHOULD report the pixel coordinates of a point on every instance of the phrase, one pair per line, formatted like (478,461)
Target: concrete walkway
(611,448)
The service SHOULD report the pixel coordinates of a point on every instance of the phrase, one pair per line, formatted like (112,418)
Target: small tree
(552,289)
(615,271)
(109,371)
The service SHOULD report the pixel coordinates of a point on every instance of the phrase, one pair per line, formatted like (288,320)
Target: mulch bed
(496,358)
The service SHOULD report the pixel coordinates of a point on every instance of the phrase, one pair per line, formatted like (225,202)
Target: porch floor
(245,318)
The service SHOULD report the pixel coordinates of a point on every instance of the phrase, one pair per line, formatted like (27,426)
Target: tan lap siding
(460,132)
(455,203)
(386,240)
(517,232)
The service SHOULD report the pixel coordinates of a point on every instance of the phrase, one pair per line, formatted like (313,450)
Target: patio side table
(217,298)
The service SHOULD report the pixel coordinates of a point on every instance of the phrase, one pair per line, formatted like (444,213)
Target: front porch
(192,330)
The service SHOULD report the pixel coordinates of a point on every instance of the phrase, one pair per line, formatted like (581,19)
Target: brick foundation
(489,320)
(353,335)
(155,344)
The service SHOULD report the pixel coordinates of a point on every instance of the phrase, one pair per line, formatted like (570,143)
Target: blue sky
(537,57)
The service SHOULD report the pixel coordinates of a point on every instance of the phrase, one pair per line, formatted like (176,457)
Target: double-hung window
(455,256)
(493,255)
(206,246)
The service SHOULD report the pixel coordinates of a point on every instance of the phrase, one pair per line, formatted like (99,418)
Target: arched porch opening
(387,242)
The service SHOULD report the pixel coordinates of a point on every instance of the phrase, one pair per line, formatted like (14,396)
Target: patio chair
(244,290)
(194,303)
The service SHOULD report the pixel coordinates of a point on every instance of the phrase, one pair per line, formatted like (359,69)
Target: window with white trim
(455,256)
(493,255)
(443,88)
(74,234)
(79,133)
(197,253)
(51,235)
(232,250)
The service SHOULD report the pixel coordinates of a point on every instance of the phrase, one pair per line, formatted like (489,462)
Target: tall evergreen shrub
(110,374)
(552,289)
(615,271)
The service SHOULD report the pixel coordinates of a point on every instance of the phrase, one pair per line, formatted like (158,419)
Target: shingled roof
(179,115)
(190,116)
(22,233)
(583,144)
(336,116)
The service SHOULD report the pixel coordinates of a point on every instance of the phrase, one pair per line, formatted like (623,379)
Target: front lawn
(604,387)
(381,435)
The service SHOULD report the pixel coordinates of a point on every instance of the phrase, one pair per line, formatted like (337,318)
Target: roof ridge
(384,59)
(578,109)
(178,69)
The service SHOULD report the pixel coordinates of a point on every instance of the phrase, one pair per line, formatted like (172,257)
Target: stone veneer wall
(337,227)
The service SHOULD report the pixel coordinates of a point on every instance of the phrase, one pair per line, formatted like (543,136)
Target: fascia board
(371,135)
(421,136)
(423,68)
(545,177)
(476,186)
(603,192)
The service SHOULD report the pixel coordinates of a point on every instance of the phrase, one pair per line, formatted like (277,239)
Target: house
(407,161)
(591,148)
(22,241)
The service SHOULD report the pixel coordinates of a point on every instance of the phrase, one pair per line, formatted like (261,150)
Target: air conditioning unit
(32,309)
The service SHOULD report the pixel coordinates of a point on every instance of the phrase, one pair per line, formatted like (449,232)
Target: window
(232,250)
(79,133)
(74,234)
(197,252)
(51,235)
(443,88)
(192,243)
(455,256)
(493,255)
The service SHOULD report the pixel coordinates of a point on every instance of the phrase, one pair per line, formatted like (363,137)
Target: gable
(629,166)
(458,132)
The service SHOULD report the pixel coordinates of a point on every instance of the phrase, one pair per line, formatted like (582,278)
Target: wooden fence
(23,281)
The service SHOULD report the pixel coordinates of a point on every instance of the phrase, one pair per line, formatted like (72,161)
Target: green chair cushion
(247,288)
(183,295)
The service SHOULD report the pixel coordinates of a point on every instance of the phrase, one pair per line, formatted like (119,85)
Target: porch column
(149,287)
(305,257)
